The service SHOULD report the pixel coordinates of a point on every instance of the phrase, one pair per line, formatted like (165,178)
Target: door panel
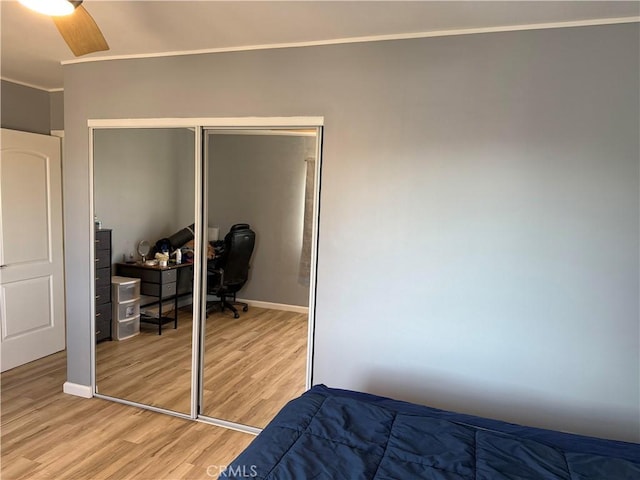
(254,364)
(32,323)
(26,207)
(34,316)
(144,190)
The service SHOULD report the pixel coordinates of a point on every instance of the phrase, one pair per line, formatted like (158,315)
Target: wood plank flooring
(253,365)
(48,435)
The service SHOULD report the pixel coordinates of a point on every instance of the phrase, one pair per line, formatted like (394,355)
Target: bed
(338,434)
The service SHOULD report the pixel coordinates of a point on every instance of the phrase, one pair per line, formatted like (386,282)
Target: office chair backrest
(239,226)
(239,243)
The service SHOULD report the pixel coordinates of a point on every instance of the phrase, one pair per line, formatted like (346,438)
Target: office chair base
(224,303)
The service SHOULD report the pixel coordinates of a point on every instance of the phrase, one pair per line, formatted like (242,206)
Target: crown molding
(31,85)
(373,38)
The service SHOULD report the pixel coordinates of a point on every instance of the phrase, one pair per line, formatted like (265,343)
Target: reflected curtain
(307,227)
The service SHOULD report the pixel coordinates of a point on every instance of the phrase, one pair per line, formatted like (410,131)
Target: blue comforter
(338,434)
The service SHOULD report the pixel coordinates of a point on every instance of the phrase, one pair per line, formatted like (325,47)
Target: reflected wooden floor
(253,365)
(149,368)
(48,435)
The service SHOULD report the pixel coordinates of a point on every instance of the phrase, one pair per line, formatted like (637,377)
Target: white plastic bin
(125,289)
(126,328)
(126,310)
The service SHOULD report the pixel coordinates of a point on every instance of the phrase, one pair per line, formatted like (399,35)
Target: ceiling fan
(74,23)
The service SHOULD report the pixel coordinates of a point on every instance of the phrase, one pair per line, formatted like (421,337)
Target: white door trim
(207,122)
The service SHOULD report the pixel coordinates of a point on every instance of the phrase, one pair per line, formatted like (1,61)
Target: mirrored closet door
(204,253)
(144,189)
(260,212)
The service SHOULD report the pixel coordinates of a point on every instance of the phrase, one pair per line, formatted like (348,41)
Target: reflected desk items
(164,283)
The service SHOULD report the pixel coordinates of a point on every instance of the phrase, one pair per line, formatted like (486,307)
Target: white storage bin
(126,328)
(125,289)
(126,310)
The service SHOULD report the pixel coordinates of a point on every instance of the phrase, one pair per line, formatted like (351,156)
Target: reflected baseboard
(78,390)
(275,306)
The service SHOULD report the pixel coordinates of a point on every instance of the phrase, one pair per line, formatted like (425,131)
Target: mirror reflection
(143,250)
(260,191)
(258,214)
(144,201)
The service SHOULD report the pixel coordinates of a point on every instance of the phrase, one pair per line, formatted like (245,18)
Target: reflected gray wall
(144,184)
(259,179)
(479,224)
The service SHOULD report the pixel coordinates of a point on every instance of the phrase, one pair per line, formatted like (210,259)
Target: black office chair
(229,271)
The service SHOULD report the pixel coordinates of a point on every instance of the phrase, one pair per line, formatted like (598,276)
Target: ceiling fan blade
(81,32)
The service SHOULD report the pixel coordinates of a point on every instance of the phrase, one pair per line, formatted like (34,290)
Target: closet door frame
(198,124)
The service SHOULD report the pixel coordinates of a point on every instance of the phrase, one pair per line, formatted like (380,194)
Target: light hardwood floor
(253,365)
(48,435)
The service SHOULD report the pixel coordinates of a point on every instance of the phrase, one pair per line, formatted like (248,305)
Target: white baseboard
(275,306)
(78,390)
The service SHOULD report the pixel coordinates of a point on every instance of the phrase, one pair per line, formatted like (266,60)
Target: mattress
(339,434)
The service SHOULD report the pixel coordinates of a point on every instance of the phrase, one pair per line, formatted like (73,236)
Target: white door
(32,321)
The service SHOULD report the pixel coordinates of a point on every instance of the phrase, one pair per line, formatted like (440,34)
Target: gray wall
(24,108)
(260,180)
(30,109)
(56,106)
(478,244)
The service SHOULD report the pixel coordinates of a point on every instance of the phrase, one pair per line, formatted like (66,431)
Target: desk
(159,282)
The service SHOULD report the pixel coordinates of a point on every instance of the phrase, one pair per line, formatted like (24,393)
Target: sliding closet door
(256,361)
(144,191)
(163,340)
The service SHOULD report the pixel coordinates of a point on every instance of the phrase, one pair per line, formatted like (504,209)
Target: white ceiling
(32,49)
